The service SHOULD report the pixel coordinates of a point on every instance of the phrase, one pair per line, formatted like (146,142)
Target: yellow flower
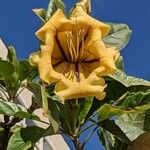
(74,56)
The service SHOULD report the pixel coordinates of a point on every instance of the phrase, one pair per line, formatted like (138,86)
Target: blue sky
(18,25)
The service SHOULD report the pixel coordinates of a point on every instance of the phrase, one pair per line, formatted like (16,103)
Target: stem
(92,116)
(77,144)
(17,94)
(87,128)
(5,136)
(4,94)
(44,122)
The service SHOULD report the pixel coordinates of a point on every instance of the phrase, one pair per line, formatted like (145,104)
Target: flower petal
(71,90)
(57,22)
(46,71)
(84,21)
(42,59)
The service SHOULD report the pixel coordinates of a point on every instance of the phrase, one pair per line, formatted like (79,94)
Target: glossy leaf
(124,83)
(111,92)
(6,69)
(12,55)
(110,141)
(25,138)
(85,105)
(107,111)
(53,6)
(132,124)
(132,99)
(40,95)
(13,81)
(119,63)
(49,106)
(41,13)
(12,109)
(119,35)
(107,139)
(53,115)
(114,129)
(25,70)
(16,142)
(94,107)
(73,113)
(72,109)
(129,81)
(64,117)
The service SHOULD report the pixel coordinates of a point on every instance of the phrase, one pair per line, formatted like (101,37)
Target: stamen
(79,35)
(77,38)
(82,43)
(72,46)
(76,50)
(69,47)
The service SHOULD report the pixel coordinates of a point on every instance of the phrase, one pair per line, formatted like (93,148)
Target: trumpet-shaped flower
(74,56)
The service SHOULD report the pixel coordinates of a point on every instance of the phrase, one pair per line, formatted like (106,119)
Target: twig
(87,128)
(91,117)
(77,144)
(4,94)
(17,94)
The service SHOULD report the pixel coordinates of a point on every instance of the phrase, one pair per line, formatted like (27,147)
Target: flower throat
(75,44)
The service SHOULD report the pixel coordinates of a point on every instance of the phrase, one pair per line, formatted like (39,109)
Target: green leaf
(63,117)
(6,69)
(53,115)
(132,124)
(12,109)
(107,111)
(25,69)
(125,84)
(111,142)
(107,139)
(13,81)
(76,108)
(34,133)
(41,98)
(85,105)
(128,81)
(111,92)
(119,35)
(25,138)
(132,99)
(53,6)
(17,143)
(40,95)
(11,56)
(72,108)
(119,63)
(41,13)
(114,129)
